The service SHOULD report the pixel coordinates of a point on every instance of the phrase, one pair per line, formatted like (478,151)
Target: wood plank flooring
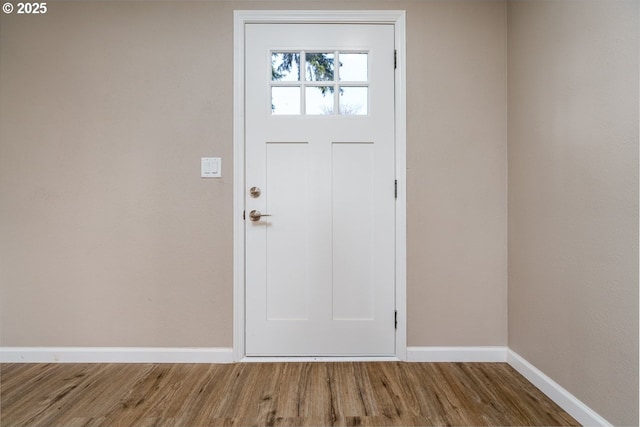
(272,394)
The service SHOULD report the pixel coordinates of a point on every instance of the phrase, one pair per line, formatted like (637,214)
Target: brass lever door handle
(255,215)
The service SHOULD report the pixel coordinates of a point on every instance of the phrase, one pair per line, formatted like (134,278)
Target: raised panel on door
(287,238)
(352,204)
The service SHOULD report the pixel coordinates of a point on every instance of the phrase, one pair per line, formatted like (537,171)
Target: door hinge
(243,217)
(395,319)
(395,189)
(395,59)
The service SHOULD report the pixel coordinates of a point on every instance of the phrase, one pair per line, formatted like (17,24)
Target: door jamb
(243,17)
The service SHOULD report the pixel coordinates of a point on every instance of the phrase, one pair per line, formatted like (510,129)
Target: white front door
(319,161)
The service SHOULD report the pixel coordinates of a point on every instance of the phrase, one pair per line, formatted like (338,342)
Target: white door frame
(243,17)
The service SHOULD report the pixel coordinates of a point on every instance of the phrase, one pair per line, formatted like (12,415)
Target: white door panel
(320,270)
(287,283)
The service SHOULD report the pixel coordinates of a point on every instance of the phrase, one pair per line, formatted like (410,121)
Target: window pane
(353,101)
(285,67)
(319,100)
(319,67)
(353,67)
(285,100)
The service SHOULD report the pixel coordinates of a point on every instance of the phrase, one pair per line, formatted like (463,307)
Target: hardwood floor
(283,394)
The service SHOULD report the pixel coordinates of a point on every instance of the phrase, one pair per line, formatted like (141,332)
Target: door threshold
(273,359)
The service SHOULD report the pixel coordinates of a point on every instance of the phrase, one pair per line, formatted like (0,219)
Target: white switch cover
(210,167)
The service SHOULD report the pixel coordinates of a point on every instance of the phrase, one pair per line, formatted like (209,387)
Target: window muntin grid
(309,83)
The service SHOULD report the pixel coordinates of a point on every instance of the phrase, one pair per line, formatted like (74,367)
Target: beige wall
(108,237)
(456,172)
(573,197)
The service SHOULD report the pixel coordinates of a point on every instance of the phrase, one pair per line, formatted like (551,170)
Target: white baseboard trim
(567,401)
(457,354)
(115,355)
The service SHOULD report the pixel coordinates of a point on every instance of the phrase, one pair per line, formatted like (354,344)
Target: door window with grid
(319,83)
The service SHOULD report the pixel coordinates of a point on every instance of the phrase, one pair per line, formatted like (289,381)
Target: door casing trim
(397,18)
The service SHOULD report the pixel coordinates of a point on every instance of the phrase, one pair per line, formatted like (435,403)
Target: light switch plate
(210,167)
